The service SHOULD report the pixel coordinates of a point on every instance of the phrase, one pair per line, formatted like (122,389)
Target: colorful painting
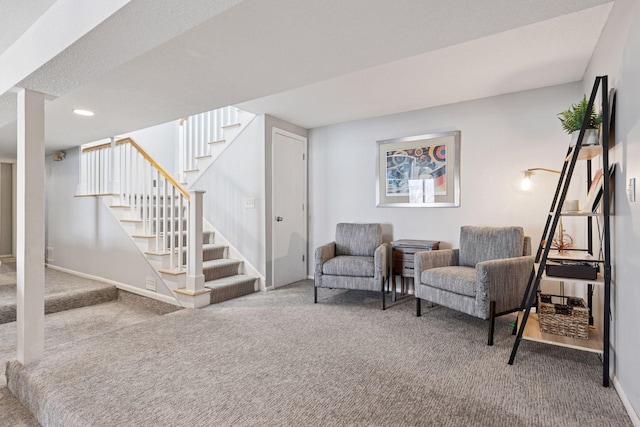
(429,162)
(419,171)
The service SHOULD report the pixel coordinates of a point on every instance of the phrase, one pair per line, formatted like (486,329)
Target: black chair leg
(384,306)
(315,295)
(492,318)
(418,308)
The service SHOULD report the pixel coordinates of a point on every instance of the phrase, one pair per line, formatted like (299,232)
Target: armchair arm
(433,259)
(323,254)
(380,260)
(503,281)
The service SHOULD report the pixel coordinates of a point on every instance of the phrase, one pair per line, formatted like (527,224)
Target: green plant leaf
(572,118)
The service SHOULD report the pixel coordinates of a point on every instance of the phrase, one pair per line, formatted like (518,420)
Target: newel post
(195,278)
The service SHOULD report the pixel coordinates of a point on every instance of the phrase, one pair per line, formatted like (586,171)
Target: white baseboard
(633,415)
(123,286)
(310,277)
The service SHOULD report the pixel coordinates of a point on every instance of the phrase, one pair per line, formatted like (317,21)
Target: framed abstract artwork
(419,171)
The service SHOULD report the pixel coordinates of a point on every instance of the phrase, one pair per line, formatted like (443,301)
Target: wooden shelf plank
(580,213)
(532,332)
(587,152)
(575,255)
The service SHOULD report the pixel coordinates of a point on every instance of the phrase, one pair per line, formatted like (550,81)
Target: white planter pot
(591,137)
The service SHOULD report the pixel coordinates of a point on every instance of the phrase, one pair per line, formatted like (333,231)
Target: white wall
(618,56)
(237,174)
(500,137)
(161,142)
(84,235)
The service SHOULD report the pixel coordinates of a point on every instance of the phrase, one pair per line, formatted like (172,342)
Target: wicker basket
(570,318)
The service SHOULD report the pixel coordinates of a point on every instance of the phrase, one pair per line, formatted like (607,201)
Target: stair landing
(62,291)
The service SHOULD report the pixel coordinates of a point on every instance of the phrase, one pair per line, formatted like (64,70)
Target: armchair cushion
(456,279)
(479,244)
(354,266)
(358,239)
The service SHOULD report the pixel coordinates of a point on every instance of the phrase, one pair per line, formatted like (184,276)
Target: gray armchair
(486,277)
(356,260)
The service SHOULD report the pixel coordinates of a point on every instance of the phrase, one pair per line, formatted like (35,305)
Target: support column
(30,226)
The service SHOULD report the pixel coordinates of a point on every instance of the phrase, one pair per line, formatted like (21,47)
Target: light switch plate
(250,203)
(631,190)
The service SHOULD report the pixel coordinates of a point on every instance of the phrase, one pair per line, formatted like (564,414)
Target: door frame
(303,140)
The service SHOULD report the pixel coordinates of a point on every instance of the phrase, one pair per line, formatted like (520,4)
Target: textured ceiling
(17,16)
(511,61)
(155,61)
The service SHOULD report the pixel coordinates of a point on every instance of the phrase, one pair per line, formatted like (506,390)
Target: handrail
(156,165)
(100,146)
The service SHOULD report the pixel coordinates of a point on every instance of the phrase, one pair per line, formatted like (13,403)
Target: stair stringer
(230,133)
(170,285)
(234,253)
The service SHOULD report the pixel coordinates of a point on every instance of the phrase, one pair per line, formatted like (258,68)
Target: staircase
(165,222)
(204,136)
(222,276)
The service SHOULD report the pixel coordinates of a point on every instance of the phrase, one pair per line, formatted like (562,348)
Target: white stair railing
(201,130)
(95,170)
(155,200)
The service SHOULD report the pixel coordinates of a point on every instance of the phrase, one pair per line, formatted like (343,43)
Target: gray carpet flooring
(62,329)
(62,291)
(276,358)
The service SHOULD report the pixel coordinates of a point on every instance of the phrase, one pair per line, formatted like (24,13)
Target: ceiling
(309,62)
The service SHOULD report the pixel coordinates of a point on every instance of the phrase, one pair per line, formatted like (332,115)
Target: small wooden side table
(402,254)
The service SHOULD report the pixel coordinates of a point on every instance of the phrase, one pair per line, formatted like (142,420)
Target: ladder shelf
(527,326)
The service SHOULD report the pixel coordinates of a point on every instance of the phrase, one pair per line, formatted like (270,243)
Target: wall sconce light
(526,183)
(59,156)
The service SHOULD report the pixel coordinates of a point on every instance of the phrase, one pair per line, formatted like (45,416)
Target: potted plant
(572,119)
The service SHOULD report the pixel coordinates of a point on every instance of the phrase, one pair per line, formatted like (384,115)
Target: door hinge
(302,258)
(303,156)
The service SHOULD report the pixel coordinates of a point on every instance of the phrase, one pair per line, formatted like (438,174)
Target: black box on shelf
(572,269)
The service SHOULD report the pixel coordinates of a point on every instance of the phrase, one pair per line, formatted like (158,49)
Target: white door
(289,221)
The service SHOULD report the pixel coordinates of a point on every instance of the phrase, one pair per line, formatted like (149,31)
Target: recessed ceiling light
(83,112)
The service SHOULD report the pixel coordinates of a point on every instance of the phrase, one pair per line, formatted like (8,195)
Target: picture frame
(432,158)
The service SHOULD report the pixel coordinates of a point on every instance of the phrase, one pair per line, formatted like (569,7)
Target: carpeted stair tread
(229,281)
(62,292)
(207,236)
(63,301)
(211,251)
(219,268)
(230,287)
